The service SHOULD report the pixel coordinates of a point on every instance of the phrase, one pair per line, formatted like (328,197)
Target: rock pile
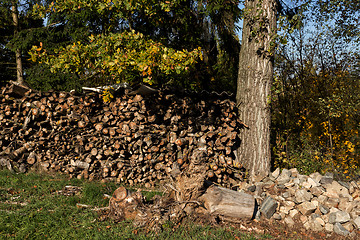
(318,201)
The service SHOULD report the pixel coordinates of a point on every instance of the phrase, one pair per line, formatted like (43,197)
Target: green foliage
(176,27)
(62,29)
(183,26)
(40,77)
(7,66)
(32,32)
(107,94)
(118,56)
(12,39)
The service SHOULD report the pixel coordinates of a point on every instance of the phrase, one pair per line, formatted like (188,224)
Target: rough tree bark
(19,67)
(254,83)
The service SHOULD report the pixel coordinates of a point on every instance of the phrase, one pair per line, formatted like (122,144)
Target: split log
(31,159)
(79,164)
(6,162)
(229,203)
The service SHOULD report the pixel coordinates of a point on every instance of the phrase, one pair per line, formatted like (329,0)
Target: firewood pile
(134,139)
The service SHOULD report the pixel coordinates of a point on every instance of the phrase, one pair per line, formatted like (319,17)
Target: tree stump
(125,204)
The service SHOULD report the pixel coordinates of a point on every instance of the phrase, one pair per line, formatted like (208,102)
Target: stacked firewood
(134,139)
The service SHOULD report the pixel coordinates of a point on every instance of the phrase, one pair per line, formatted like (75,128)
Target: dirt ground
(279,230)
(272,227)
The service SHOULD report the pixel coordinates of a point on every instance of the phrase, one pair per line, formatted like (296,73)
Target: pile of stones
(317,201)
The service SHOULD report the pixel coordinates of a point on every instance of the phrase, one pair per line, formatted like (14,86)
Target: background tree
(19,66)
(18,28)
(180,25)
(7,57)
(316,100)
(253,94)
(61,29)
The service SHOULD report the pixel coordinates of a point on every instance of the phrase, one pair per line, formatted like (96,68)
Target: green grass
(41,213)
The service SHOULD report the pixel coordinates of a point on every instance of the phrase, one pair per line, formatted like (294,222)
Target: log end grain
(120,194)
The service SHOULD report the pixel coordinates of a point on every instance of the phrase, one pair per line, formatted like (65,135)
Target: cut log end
(120,194)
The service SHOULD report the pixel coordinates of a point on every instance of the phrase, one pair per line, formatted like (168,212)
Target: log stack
(135,139)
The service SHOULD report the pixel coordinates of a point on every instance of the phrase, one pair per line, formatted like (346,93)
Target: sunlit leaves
(123,8)
(319,108)
(116,55)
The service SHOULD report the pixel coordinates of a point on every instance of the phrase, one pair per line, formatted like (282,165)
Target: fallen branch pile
(135,139)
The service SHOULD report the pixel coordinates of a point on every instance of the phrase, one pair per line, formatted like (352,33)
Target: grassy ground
(31,208)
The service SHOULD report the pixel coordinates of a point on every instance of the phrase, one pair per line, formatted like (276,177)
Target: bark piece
(18,90)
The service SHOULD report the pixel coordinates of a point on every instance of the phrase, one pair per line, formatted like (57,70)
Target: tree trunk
(254,83)
(19,67)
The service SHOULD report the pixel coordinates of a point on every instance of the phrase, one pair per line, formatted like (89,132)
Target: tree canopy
(198,36)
